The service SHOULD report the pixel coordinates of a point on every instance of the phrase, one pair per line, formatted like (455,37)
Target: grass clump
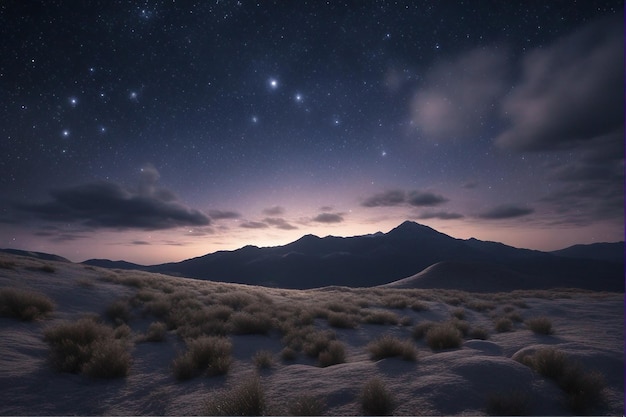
(87,347)
(245,399)
(514,403)
(540,325)
(210,354)
(306,405)
(342,320)
(25,305)
(334,354)
(376,400)
(156,332)
(263,359)
(420,329)
(503,324)
(479,333)
(118,312)
(388,347)
(584,390)
(248,323)
(381,317)
(444,336)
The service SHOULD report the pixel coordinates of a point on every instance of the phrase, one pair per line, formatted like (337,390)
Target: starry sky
(157,131)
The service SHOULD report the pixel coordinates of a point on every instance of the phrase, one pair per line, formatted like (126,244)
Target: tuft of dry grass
(342,320)
(376,400)
(245,399)
(388,347)
(458,313)
(210,354)
(156,332)
(88,347)
(444,336)
(479,333)
(334,354)
(306,405)
(503,324)
(381,317)
(25,305)
(540,325)
(584,390)
(420,329)
(248,323)
(118,312)
(263,359)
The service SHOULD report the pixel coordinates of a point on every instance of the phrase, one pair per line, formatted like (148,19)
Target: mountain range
(416,254)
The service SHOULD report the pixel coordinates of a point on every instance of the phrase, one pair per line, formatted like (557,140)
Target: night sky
(155,131)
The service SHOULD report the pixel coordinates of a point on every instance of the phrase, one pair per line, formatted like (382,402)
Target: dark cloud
(139,242)
(572,92)
(110,205)
(505,212)
(274,211)
(328,218)
(254,225)
(60,237)
(414,198)
(279,223)
(386,199)
(221,215)
(459,94)
(326,208)
(418,199)
(441,215)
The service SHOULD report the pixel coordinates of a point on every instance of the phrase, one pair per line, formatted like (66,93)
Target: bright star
(73,101)
(298,97)
(133,95)
(384,153)
(255,119)
(65,133)
(273,82)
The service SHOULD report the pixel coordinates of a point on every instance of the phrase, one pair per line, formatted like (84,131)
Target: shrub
(420,329)
(584,390)
(316,342)
(246,399)
(156,332)
(89,347)
(419,306)
(443,336)
(288,354)
(479,333)
(405,321)
(118,312)
(306,405)
(47,268)
(503,324)
(515,316)
(335,353)
(389,346)
(540,325)
(247,323)
(206,353)
(462,325)
(263,359)
(514,403)
(341,320)
(481,305)
(458,313)
(376,400)
(381,317)
(24,304)
(395,301)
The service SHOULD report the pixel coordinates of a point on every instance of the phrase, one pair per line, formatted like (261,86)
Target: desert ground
(83,340)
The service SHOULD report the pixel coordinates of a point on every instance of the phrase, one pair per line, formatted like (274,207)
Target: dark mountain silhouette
(382,258)
(106,263)
(602,251)
(39,255)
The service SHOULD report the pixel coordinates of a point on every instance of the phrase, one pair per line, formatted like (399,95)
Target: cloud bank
(111,205)
(393,198)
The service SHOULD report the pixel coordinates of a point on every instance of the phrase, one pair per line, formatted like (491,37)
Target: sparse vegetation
(156,332)
(376,400)
(503,324)
(247,323)
(4,264)
(479,333)
(118,312)
(584,390)
(420,329)
(245,399)
(263,359)
(306,405)
(389,347)
(458,313)
(342,320)
(88,347)
(333,354)
(444,336)
(380,317)
(24,305)
(540,325)
(210,354)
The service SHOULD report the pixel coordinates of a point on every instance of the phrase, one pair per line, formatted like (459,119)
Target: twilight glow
(161,131)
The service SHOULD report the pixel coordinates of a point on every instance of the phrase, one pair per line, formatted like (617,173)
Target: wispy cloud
(328,218)
(441,215)
(279,223)
(221,215)
(274,211)
(505,212)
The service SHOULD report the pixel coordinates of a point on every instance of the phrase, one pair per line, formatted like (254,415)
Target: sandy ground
(588,328)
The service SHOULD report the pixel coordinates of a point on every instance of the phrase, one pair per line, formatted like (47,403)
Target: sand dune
(588,328)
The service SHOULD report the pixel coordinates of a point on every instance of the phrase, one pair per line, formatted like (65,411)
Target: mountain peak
(411,227)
